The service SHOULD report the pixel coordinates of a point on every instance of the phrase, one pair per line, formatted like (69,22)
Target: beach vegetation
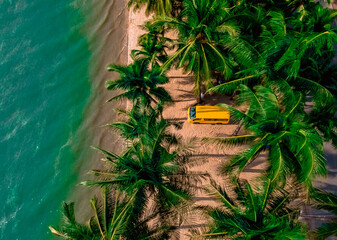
(111,220)
(325,201)
(140,83)
(154,46)
(197,49)
(108,222)
(253,213)
(151,171)
(137,121)
(157,7)
(293,145)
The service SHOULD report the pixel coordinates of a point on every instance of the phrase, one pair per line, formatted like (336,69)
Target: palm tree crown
(326,201)
(139,83)
(254,214)
(199,26)
(294,146)
(159,7)
(153,46)
(151,170)
(109,220)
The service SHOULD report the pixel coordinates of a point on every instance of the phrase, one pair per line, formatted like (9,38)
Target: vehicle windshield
(192,113)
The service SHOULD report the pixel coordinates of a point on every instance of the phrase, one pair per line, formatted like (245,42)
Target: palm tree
(159,7)
(109,220)
(245,213)
(326,201)
(112,220)
(151,170)
(282,48)
(325,121)
(139,120)
(139,83)
(154,46)
(278,127)
(199,26)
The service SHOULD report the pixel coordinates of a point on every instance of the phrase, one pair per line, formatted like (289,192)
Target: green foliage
(199,26)
(108,222)
(294,146)
(282,41)
(325,122)
(146,165)
(139,83)
(138,121)
(153,46)
(277,57)
(245,213)
(159,7)
(151,170)
(326,201)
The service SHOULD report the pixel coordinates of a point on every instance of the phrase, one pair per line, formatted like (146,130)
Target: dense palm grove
(276,59)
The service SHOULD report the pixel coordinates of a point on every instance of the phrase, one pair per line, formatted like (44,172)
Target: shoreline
(107,33)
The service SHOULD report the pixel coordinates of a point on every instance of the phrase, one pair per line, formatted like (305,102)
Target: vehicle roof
(212,112)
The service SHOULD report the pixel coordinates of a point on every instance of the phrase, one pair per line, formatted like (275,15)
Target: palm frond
(220,194)
(241,160)
(278,168)
(231,140)
(238,116)
(322,96)
(229,87)
(327,230)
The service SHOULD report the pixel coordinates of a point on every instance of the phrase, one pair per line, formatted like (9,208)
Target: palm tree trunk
(199,97)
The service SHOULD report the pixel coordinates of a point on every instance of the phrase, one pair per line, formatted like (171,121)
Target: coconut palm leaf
(249,214)
(139,83)
(198,51)
(101,225)
(237,116)
(321,96)
(241,160)
(229,87)
(294,146)
(148,169)
(161,7)
(232,140)
(325,201)
(153,46)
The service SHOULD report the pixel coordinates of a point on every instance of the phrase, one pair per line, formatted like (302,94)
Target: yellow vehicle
(208,114)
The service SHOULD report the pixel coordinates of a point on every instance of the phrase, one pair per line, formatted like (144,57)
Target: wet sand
(107,32)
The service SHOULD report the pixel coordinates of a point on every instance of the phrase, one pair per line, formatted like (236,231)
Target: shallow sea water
(44,89)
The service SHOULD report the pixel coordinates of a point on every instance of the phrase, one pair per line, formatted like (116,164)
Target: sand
(208,158)
(107,33)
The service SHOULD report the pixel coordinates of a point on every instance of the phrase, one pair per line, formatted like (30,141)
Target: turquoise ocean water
(44,88)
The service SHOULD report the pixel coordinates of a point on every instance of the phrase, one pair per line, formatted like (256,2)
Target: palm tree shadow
(215,99)
(229,125)
(212,155)
(331,157)
(185,96)
(329,183)
(184,80)
(258,165)
(177,120)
